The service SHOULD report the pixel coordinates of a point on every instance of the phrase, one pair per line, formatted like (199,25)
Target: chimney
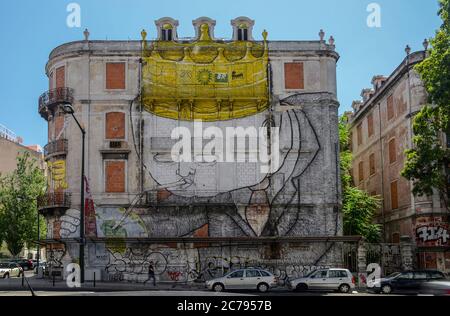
(378,81)
(366,94)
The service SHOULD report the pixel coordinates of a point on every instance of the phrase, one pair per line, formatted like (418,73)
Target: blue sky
(30,29)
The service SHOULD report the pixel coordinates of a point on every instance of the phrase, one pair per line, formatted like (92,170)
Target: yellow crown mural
(205,80)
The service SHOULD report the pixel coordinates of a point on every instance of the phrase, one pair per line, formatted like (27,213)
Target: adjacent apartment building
(381,129)
(194,219)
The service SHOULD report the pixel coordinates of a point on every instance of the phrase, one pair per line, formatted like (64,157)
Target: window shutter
(394,195)
(390,107)
(370,124)
(392,151)
(294,76)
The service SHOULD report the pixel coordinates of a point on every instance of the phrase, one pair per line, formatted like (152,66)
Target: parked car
(244,279)
(406,282)
(340,280)
(26,264)
(10,269)
(437,288)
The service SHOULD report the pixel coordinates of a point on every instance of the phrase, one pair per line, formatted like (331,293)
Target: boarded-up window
(395,238)
(59,125)
(115,125)
(372,164)
(361,171)
(394,195)
(390,107)
(61,77)
(359,134)
(115,76)
(392,151)
(370,124)
(50,81)
(294,76)
(115,176)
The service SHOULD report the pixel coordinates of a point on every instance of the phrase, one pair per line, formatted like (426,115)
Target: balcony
(56,148)
(56,200)
(49,100)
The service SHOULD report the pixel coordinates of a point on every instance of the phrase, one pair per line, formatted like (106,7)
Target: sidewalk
(15,284)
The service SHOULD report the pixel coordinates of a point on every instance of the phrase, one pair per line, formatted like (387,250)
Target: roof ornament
(86,34)
(321,35)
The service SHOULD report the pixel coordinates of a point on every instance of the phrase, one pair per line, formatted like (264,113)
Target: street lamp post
(68,109)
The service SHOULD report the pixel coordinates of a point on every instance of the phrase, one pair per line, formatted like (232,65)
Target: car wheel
(6,276)
(344,288)
(386,289)
(218,287)
(302,287)
(263,287)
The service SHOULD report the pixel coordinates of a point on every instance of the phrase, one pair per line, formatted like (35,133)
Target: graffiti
(175,275)
(57,171)
(437,234)
(70,224)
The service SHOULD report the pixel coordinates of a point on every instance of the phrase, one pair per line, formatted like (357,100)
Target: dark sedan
(409,282)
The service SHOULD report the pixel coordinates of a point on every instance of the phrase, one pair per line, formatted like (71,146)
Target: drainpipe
(380,140)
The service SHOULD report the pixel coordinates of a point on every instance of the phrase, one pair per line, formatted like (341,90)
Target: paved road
(171,293)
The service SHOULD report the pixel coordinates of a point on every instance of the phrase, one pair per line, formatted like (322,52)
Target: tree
(19,192)
(425,162)
(358,207)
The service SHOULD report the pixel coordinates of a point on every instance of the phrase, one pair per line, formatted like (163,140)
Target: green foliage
(425,162)
(358,207)
(19,192)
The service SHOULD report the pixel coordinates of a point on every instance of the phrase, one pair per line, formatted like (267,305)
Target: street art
(432,231)
(57,171)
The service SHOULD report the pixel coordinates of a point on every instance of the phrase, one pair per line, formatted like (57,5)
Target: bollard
(94,279)
(23,278)
(53,274)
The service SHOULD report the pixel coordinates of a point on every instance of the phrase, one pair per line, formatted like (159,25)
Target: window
(372,164)
(361,171)
(252,274)
(390,107)
(392,151)
(237,274)
(394,195)
(320,274)
(395,238)
(294,76)
(167,32)
(420,275)
(338,274)
(115,125)
(60,77)
(242,34)
(359,134)
(50,81)
(115,76)
(406,276)
(115,176)
(264,273)
(436,275)
(370,124)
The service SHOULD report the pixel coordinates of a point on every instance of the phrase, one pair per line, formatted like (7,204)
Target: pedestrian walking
(151,274)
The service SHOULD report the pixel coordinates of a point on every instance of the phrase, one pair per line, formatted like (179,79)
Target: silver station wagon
(244,279)
(340,280)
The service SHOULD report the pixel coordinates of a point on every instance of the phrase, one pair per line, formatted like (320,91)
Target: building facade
(194,219)
(381,129)
(11,147)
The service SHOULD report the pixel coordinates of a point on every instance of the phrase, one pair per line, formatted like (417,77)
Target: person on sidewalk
(151,274)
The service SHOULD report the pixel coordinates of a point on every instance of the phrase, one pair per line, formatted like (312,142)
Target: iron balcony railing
(55,200)
(58,147)
(53,98)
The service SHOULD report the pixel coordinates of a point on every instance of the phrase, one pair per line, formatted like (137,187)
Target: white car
(340,280)
(244,279)
(9,270)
